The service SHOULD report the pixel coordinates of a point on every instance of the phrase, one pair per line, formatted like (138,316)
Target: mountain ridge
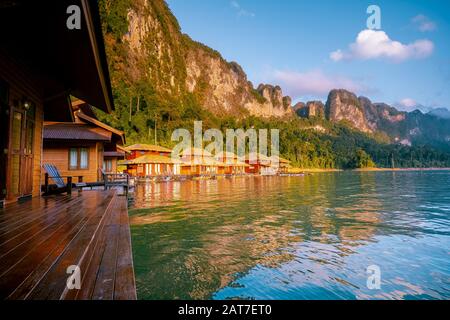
(163,80)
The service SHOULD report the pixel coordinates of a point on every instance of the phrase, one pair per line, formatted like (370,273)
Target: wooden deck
(41,238)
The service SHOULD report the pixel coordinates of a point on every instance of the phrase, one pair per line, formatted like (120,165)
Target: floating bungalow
(84,148)
(232,164)
(280,165)
(199,162)
(258,164)
(42,64)
(153,166)
(146,160)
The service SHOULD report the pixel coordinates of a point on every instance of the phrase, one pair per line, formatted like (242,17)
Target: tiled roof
(113,154)
(147,147)
(75,131)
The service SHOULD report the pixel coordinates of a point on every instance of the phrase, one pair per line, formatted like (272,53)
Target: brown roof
(75,131)
(118,133)
(147,147)
(114,154)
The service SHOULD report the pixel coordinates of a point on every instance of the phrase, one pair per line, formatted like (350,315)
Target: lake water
(310,237)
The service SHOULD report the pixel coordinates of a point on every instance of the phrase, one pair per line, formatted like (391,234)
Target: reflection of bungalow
(280,165)
(78,148)
(258,164)
(200,162)
(232,164)
(41,63)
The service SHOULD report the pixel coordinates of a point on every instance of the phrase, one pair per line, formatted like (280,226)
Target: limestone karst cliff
(174,66)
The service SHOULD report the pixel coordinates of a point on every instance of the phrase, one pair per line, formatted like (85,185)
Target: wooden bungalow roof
(230,159)
(113,154)
(196,152)
(75,131)
(118,133)
(34,34)
(147,147)
(280,159)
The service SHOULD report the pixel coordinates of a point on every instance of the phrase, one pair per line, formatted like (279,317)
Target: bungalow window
(78,159)
(107,165)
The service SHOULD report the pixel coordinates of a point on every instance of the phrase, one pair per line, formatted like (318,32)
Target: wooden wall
(23,84)
(58,155)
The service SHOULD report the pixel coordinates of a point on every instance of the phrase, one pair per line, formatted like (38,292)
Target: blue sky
(308,47)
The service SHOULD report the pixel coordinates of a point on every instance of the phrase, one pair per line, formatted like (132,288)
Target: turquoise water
(309,237)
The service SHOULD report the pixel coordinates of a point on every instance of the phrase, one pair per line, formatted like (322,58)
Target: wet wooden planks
(40,239)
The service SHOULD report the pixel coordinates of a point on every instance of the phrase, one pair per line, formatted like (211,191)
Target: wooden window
(108,165)
(78,158)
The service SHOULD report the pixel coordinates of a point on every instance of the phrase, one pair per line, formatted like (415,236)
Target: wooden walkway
(40,239)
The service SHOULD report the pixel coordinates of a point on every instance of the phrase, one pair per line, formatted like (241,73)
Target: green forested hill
(160,81)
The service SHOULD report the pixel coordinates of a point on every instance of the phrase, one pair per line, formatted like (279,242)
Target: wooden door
(4,135)
(21,151)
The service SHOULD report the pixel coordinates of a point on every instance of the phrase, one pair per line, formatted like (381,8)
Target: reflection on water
(309,237)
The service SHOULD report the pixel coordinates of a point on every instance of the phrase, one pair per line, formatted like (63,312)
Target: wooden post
(46,188)
(80,180)
(69,185)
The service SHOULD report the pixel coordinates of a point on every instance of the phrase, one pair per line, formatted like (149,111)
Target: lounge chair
(60,186)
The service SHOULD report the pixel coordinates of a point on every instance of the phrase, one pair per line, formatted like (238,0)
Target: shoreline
(318,170)
(399,169)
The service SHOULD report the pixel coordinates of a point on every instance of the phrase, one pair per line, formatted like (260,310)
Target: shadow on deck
(40,239)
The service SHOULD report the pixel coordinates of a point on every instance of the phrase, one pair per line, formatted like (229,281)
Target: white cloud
(314,83)
(372,44)
(240,11)
(408,103)
(423,23)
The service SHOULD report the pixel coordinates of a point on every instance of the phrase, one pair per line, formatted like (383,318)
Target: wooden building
(111,159)
(139,150)
(147,160)
(152,165)
(42,63)
(232,164)
(78,148)
(258,164)
(279,164)
(199,162)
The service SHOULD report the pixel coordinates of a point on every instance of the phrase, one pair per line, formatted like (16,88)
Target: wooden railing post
(69,185)
(46,188)
(80,180)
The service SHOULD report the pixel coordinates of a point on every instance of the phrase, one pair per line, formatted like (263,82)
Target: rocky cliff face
(312,109)
(175,65)
(343,105)
(361,114)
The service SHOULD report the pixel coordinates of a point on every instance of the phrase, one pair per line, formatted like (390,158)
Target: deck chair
(59,185)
